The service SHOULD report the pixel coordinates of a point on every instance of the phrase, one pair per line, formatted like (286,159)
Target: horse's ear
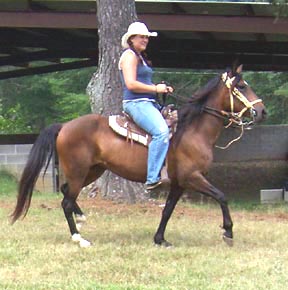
(239,69)
(235,65)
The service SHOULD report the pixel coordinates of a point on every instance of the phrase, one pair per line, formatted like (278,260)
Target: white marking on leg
(82,242)
(76,238)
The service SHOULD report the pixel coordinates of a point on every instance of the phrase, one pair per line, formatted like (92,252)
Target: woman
(139,98)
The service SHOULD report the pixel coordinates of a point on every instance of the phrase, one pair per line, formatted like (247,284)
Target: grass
(8,183)
(36,253)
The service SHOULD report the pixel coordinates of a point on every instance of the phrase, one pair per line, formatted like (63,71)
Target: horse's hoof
(164,244)
(84,244)
(228,241)
(76,238)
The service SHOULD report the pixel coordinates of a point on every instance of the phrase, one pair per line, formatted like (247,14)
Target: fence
(14,151)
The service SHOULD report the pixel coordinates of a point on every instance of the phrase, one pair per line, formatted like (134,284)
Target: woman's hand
(164,89)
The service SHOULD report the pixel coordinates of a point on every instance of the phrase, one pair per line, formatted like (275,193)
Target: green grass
(37,253)
(8,183)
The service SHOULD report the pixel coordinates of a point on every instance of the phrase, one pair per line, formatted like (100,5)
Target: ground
(154,208)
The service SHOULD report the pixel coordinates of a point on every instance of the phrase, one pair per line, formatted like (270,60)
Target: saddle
(126,127)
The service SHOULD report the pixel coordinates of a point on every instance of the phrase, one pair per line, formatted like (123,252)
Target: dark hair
(141,56)
(190,111)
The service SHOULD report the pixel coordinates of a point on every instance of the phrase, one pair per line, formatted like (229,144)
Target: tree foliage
(281,7)
(29,104)
(272,88)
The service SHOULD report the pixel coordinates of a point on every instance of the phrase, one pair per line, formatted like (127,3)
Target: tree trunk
(105,89)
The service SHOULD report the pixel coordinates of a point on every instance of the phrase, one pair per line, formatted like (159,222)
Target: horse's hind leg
(79,215)
(69,206)
(172,199)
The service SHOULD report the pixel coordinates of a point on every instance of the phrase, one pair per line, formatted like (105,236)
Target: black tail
(40,156)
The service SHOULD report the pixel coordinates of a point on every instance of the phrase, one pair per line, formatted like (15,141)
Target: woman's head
(137,36)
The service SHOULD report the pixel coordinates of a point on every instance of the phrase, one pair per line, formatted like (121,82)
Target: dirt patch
(154,208)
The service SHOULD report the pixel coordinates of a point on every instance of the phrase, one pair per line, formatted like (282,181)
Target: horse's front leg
(227,223)
(227,220)
(172,199)
(199,183)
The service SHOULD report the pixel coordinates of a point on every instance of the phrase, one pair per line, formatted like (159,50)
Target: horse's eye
(241,87)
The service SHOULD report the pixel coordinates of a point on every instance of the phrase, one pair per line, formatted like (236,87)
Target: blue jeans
(147,116)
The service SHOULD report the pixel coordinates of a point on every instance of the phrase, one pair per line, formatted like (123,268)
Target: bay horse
(87,146)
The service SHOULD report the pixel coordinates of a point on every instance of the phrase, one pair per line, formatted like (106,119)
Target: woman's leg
(148,117)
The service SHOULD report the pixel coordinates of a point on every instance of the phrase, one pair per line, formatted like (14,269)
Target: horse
(87,146)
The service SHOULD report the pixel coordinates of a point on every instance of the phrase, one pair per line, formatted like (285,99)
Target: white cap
(134,29)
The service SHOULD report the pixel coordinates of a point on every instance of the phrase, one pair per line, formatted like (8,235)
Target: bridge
(41,36)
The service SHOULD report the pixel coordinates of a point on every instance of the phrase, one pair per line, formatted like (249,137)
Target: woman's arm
(128,65)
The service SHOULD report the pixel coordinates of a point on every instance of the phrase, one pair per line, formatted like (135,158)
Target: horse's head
(243,106)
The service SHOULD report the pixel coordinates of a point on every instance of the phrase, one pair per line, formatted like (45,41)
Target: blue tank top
(144,75)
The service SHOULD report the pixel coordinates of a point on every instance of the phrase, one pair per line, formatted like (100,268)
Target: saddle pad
(128,129)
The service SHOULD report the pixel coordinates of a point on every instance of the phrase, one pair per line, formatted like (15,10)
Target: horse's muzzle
(259,115)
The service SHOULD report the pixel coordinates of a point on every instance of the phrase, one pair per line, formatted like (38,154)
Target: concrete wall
(260,143)
(258,161)
(13,158)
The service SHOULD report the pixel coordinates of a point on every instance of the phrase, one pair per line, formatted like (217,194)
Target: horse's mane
(190,111)
(194,107)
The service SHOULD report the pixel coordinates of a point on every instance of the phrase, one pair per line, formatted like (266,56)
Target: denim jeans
(147,116)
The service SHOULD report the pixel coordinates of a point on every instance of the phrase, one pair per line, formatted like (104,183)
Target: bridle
(235,118)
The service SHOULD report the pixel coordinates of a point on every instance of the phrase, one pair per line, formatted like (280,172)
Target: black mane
(194,107)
